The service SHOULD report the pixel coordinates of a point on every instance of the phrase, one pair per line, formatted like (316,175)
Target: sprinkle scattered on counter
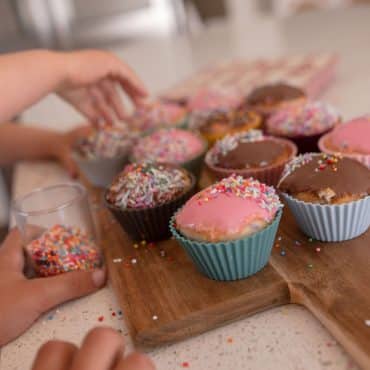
(185,364)
(117,260)
(282,253)
(101,318)
(61,249)
(367,323)
(155,317)
(310,266)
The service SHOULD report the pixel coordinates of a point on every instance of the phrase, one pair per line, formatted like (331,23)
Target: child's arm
(86,79)
(20,142)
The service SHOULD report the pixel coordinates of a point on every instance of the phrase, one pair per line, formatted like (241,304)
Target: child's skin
(89,81)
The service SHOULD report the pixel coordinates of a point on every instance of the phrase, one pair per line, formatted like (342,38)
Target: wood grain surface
(165,299)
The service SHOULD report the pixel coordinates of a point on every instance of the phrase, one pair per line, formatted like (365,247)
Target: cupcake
(328,195)
(218,124)
(269,98)
(228,229)
(303,123)
(250,154)
(143,197)
(173,146)
(158,114)
(351,139)
(104,153)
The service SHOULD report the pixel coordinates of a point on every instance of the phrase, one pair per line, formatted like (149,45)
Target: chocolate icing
(274,94)
(351,177)
(252,155)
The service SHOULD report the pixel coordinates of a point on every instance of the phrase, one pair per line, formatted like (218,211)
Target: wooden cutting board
(165,299)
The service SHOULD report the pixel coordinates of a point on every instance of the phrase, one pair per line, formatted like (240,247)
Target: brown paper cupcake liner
(150,224)
(269,175)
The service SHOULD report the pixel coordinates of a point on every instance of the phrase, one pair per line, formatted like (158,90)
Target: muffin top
(325,179)
(168,146)
(157,114)
(147,185)
(272,94)
(224,210)
(352,137)
(302,119)
(248,149)
(210,100)
(106,142)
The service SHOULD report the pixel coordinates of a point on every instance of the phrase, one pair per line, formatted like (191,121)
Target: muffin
(173,146)
(351,139)
(303,123)
(228,228)
(158,114)
(143,197)
(250,154)
(328,195)
(104,153)
(218,124)
(267,99)
(62,249)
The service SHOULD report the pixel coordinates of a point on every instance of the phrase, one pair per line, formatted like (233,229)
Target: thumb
(52,291)
(66,159)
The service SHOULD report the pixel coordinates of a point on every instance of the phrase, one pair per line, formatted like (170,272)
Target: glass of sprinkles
(57,229)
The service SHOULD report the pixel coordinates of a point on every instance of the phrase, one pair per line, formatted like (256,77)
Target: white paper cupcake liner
(331,223)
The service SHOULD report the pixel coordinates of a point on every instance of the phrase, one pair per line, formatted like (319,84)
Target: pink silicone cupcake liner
(363,158)
(269,175)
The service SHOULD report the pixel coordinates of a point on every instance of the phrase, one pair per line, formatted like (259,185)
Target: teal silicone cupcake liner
(234,259)
(331,223)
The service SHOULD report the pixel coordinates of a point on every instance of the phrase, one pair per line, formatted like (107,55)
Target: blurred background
(67,24)
(72,24)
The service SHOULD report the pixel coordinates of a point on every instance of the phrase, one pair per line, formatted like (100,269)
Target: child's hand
(92,82)
(102,349)
(23,300)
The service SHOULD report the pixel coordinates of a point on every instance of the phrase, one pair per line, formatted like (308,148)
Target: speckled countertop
(288,337)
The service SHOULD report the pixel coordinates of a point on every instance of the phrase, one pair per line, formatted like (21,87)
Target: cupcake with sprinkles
(158,114)
(236,242)
(174,146)
(303,123)
(329,195)
(351,139)
(103,153)
(250,154)
(144,197)
(62,249)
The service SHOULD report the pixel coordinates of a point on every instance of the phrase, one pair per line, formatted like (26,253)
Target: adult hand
(102,349)
(93,81)
(24,300)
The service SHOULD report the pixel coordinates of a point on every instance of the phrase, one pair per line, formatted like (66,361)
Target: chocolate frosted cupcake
(250,154)
(303,123)
(218,124)
(228,228)
(174,146)
(268,99)
(350,139)
(102,154)
(328,195)
(144,197)
(158,114)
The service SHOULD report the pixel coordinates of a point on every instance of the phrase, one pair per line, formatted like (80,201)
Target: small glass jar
(57,229)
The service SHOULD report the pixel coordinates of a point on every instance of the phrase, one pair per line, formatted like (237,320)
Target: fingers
(102,349)
(55,355)
(52,291)
(67,161)
(135,361)
(112,98)
(102,105)
(11,252)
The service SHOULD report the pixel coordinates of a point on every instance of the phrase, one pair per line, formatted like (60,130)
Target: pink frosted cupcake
(158,114)
(174,146)
(303,123)
(352,139)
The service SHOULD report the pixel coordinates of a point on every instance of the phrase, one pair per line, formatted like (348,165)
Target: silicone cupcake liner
(150,224)
(307,144)
(234,259)
(101,171)
(363,158)
(331,223)
(269,175)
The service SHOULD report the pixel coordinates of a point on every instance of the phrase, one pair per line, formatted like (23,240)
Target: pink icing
(355,135)
(225,214)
